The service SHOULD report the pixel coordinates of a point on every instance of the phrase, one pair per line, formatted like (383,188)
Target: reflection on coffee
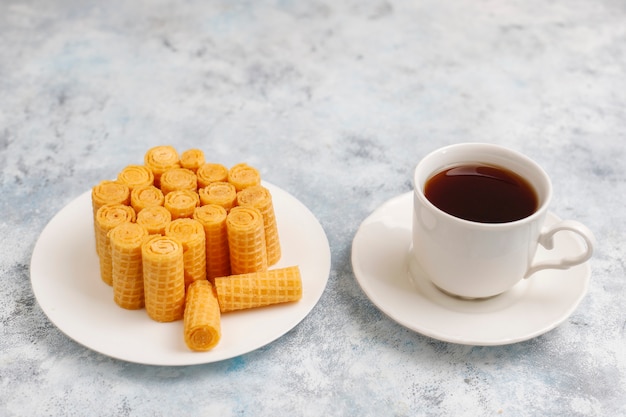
(482,193)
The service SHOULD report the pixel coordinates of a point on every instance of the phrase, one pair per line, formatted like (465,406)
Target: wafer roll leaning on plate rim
(202,321)
(259,289)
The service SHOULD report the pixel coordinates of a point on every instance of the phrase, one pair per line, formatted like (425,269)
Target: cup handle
(546,239)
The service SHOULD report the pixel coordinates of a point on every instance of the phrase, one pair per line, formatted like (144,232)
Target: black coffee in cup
(482,193)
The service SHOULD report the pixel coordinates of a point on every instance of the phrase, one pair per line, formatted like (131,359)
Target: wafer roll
(221,193)
(164,278)
(201,322)
(211,172)
(178,179)
(127,273)
(159,159)
(246,240)
(136,176)
(258,289)
(181,203)
(154,219)
(107,217)
(146,196)
(192,159)
(213,219)
(109,192)
(261,198)
(243,175)
(191,234)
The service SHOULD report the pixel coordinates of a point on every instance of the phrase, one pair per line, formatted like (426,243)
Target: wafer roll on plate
(213,219)
(164,278)
(146,196)
(261,198)
(109,192)
(154,219)
(202,321)
(220,193)
(159,159)
(211,172)
(127,272)
(136,176)
(107,217)
(191,234)
(192,159)
(178,179)
(258,289)
(243,175)
(246,240)
(181,203)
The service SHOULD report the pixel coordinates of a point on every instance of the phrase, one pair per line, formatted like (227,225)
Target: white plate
(380,260)
(66,281)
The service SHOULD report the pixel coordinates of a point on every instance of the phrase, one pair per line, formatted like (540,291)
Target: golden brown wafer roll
(178,179)
(192,159)
(211,172)
(243,175)
(191,234)
(146,196)
(261,198)
(127,273)
(201,322)
(181,203)
(154,219)
(258,289)
(136,176)
(109,192)
(164,278)
(107,217)
(213,219)
(159,159)
(221,193)
(246,240)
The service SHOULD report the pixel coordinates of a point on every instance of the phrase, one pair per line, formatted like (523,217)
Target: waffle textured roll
(211,172)
(261,198)
(181,203)
(243,175)
(178,179)
(159,159)
(146,196)
(192,159)
(136,176)
(107,217)
(164,278)
(127,273)
(258,289)
(154,219)
(109,192)
(213,220)
(221,193)
(246,240)
(201,322)
(191,234)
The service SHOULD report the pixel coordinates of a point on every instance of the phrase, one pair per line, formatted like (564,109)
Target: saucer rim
(420,326)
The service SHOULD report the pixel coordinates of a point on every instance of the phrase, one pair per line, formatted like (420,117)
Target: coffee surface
(482,193)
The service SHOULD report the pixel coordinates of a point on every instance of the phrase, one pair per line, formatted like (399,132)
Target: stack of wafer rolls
(188,239)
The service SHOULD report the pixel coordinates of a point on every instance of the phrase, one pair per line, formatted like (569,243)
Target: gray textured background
(334,102)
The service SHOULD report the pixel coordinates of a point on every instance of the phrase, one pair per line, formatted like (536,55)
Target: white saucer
(380,260)
(66,281)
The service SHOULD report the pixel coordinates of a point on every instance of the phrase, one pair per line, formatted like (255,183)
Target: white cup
(478,260)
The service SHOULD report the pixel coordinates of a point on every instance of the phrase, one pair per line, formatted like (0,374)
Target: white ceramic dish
(66,282)
(380,260)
